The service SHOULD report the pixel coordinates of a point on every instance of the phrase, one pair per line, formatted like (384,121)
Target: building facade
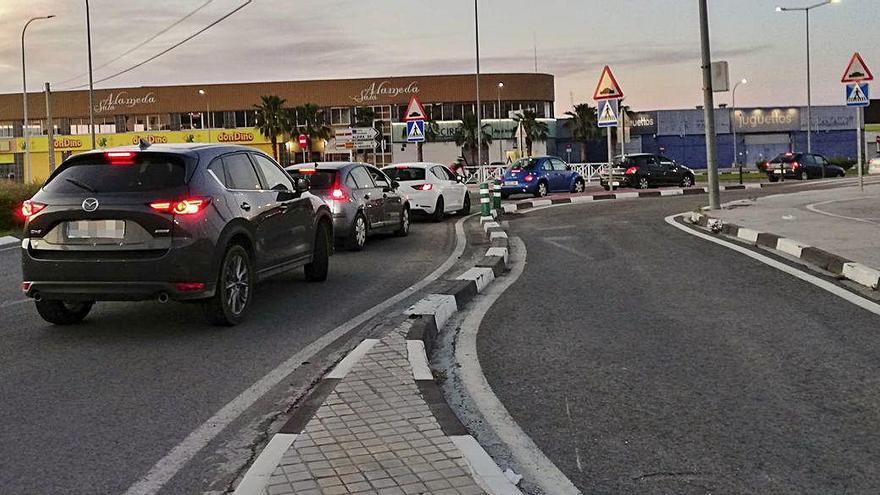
(225,113)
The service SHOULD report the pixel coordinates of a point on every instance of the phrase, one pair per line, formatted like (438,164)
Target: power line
(139,45)
(172,47)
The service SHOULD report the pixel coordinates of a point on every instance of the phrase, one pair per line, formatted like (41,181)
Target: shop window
(340,116)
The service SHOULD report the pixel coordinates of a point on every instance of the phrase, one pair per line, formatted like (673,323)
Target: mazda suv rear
(185,223)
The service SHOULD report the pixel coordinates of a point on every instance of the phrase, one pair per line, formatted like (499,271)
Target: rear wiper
(81,185)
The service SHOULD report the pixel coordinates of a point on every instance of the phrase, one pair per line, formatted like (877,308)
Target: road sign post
(858,95)
(608,95)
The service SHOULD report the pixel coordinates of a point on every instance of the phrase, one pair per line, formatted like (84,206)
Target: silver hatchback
(361,197)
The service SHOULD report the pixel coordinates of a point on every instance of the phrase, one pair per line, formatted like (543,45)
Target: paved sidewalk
(375,434)
(843,220)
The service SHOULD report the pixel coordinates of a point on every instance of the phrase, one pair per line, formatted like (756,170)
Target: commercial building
(225,113)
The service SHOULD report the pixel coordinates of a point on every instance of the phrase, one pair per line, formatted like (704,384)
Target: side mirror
(301,185)
(395,184)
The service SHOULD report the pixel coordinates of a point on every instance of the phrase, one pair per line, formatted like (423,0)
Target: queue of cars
(205,223)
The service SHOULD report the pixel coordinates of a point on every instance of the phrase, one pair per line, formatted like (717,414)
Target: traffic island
(378,422)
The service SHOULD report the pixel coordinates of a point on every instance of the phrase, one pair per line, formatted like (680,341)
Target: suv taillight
(30,208)
(189,206)
(631,170)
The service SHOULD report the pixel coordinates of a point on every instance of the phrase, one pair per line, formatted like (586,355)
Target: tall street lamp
(806,11)
(206,122)
(736,160)
(24,130)
(498,114)
(479,104)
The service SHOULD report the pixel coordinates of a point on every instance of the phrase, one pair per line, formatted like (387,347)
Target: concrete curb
(8,240)
(841,267)
(655,193)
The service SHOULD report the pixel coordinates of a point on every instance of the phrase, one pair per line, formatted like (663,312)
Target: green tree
(466,137)
(532,129)
(584,126)
(310,120)
(272,120)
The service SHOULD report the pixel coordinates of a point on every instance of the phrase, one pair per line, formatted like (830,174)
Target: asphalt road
(89,409)
(644,360)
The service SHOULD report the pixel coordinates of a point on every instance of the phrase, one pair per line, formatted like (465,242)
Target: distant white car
(432,188)
(874,166)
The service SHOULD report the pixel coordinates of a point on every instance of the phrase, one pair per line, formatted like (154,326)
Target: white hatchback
(432,188)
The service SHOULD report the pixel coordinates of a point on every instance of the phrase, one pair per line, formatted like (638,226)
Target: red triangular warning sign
(857,70)
(608,89)
(415,110)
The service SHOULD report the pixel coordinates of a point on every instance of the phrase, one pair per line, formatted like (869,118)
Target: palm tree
(271,119)
(532,128)
(311,122)
(466,137)
(584,126)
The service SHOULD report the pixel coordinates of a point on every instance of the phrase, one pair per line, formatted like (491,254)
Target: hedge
(12,194)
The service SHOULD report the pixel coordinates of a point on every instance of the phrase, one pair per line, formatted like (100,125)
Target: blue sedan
(540,176)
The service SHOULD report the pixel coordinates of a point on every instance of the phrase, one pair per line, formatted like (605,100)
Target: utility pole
(709,108)
(91,79)
(479,109)
(50,135)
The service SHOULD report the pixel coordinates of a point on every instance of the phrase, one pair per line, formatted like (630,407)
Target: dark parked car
(802,166)
(645,170)
(362,198)
(178,222)
(540,176)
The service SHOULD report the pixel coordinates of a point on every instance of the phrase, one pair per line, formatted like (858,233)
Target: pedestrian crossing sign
(858,95)
(415,131)
(608,110)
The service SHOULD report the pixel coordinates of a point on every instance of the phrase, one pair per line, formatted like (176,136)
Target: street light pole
(91,78)
(24,130)
(498,113)
(806,11)
(479,104)
(736,160)
(206,122)
(709,108)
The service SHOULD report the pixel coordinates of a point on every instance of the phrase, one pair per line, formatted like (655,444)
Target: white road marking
(176,458)
(348,362)
(555,241)
(418,360)
(13,303)
(486,472)
(257,477)
(806,277)
(536,467)
(814,208)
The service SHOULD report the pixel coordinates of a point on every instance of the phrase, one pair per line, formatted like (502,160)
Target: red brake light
(120,157)
(795,165)
(189,286)
(30,208)
(26,287)
(424,187)
(631,170)
(306,171)
(339,194)
(189,206)
(402,167)
(529,178)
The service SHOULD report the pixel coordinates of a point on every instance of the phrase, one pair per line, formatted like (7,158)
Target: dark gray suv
(179,222)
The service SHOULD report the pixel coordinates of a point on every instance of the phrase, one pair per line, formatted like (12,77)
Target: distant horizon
(655,56)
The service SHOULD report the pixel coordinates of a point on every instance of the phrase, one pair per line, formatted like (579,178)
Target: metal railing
(589,171)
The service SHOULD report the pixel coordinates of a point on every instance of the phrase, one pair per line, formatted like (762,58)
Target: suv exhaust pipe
(37,296)
(163,297)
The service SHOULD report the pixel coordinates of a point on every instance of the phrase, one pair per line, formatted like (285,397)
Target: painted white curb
(257,477)
(501,252)
(626,195)
(790,246)
(8,240)
(353,357)
(671,192)
(497,235)
(581,199)
(490,225)
(487,474)
(509,207)
(441,306)
(541,202)
(481,276)
(418,360)
(487,219)
(862,274)
(747,234)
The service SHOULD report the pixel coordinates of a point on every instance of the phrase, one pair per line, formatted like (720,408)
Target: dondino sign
(385,89)
(123,99)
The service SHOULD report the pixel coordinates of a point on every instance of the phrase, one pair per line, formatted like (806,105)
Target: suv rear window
(318,179)
(145,172)
(403,174)
(786,158)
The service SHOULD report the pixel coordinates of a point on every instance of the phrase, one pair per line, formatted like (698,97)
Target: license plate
(96,229)
(511,183)
(615,183)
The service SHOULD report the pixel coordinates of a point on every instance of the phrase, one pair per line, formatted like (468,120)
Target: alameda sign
(384,89)
(121,99)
